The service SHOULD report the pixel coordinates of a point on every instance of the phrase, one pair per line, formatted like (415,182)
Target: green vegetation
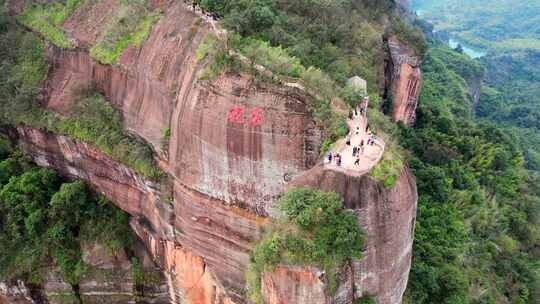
(388,170)
(341,38)
(478,209)
(92,120)
(488,24)
(217,52)
(410,34)
(42,218)
(165,139)
(131,26)
(365,300)
(47,19)
(316,231)
(477,222)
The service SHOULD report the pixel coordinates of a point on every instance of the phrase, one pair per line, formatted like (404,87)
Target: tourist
(357,130)
(348,141)
(362,143)
(330,157)
(357,161)
(354,150)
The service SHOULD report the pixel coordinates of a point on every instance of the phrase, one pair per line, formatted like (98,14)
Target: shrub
(131,27)
(413,36)
(276,59)
(217,52)
(165,139)
(388,169)
(317,81)
(316,231)
(43,220)
(48,19)
(365,300)
(95,121)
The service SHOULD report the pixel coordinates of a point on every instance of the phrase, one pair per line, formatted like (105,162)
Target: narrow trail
(371,156)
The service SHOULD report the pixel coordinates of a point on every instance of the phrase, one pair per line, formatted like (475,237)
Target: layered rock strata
(235,145)
(404,80)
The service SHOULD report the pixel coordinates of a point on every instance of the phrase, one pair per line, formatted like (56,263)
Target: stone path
(371,156)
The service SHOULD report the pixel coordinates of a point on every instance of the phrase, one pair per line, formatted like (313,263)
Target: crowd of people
(359,149)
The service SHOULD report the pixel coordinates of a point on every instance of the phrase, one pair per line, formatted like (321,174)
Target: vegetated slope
(510,32)
(343,38)
(477,235)
(52,230)
(511,96)
(501,24)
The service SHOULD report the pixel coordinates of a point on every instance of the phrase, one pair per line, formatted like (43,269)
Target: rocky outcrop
(193,232)
(197,232)
(108,279)
(235,145)
(19,292)
(289,284)
(388,217)
(403,80)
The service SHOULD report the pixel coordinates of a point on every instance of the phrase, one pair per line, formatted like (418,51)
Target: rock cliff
(403,80)
(235,145)
(109,279)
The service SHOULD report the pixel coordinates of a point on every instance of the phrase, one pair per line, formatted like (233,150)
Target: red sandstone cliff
(225,170)
(403,80)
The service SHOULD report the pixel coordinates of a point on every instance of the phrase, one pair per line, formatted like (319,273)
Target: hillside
(486,24)
(476,238)
(488,102)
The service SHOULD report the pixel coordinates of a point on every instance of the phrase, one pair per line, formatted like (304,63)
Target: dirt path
(371,156)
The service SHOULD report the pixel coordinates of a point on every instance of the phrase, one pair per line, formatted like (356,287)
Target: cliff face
(403,80)
(108,279)
(388,216)
(235,145)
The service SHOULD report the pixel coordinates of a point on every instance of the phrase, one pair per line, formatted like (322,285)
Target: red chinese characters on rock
(236,115)
(257,117)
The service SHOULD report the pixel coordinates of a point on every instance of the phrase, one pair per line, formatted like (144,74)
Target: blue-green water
(467,50)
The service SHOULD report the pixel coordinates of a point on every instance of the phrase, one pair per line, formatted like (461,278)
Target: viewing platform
(372,154)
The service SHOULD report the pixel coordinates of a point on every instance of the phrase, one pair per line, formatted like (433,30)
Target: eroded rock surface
(404,80)
(388,217)
(108,279)
(235,145)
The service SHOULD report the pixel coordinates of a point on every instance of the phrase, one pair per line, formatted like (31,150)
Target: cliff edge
(235,145)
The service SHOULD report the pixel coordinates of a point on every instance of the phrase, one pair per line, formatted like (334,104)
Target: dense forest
(44,219)
(508,32)
(493,24)
(476,238)
(495,231)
